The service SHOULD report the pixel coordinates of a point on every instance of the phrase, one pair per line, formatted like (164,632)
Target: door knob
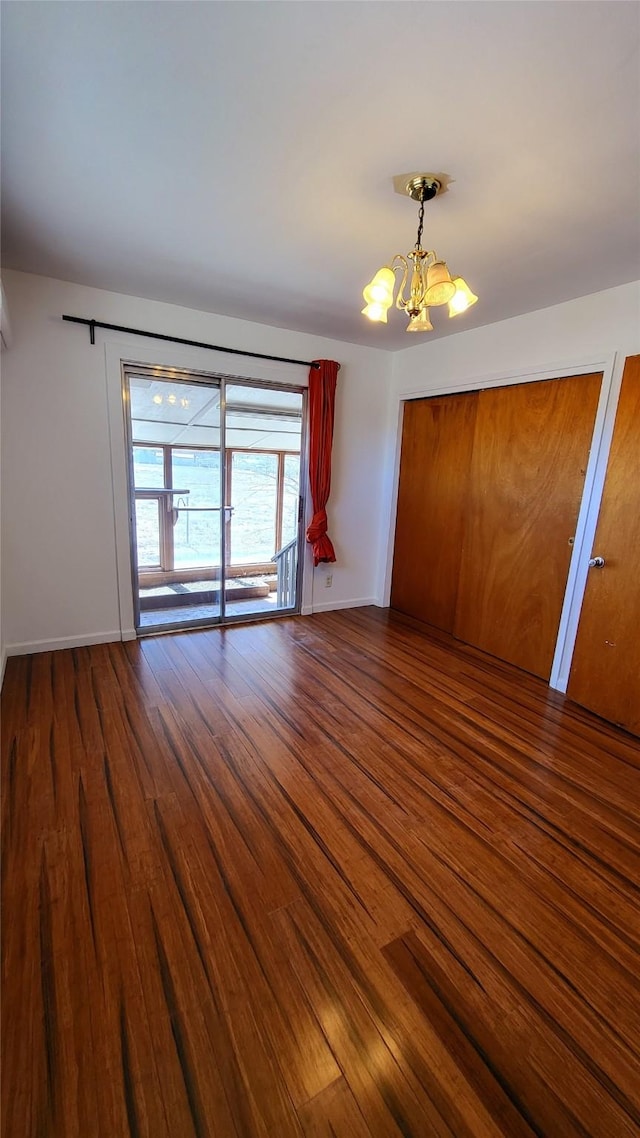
(596,562)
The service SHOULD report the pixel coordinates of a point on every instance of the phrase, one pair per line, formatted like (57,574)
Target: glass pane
(196,482)
(198,473)
(290,498)
(263,418)
(196,538)
(148,467)
(176,422)
(148,532)
(170,410)
(254,484)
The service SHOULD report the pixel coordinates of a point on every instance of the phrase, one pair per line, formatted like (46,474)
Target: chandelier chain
(420,221)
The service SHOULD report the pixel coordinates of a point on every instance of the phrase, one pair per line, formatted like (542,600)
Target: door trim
(611,367)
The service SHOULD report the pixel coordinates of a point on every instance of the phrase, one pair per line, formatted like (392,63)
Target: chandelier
(431,282)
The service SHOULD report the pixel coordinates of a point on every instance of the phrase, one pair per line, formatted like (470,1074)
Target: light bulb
(382,286)
(157,399)
(379,291)
(376,312)
(462,299)
(171,398)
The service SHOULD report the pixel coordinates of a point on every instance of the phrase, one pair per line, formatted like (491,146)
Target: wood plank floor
(326,876)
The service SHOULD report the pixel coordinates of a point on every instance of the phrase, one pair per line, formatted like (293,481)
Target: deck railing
(286,563)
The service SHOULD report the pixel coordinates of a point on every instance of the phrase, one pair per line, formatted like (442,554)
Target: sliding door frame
(212,380)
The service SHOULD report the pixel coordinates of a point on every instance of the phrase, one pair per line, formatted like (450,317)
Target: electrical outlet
(328,581)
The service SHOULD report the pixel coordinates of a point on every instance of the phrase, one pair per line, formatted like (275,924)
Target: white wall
(62,563)
(595,332)
(61,559)
(575,332)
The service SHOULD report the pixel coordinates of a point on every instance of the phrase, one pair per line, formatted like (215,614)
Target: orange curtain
(322,395)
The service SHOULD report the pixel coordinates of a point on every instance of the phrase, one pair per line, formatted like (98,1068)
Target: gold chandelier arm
(403,264)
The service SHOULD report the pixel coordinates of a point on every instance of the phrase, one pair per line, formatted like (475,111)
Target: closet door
(605,673)
(530,451)
(437,439)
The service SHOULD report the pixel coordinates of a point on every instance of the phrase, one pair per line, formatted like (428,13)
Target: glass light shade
(421,322)
(377,312)
(462,299)
(380,289)
(440,287)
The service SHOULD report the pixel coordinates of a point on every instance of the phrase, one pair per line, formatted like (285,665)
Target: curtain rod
(93,324)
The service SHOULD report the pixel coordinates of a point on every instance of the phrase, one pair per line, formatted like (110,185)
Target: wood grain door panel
(437,440)
(605,672)
(530,452)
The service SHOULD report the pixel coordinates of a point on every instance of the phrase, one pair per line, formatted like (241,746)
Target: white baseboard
(80,641)
(3,664)
(330,606)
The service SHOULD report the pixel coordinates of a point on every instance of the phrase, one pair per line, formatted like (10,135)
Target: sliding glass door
(263,441)
(215,497)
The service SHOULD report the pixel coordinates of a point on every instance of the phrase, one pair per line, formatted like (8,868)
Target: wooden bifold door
(490,488)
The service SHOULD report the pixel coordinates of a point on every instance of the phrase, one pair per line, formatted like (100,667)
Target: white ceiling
(237,157)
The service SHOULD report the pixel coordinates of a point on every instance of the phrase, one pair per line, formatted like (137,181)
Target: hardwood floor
(327,876)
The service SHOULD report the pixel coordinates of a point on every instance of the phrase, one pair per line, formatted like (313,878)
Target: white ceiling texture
(237,157)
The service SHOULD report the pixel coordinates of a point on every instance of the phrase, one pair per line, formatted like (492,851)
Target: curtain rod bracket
(93,324)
